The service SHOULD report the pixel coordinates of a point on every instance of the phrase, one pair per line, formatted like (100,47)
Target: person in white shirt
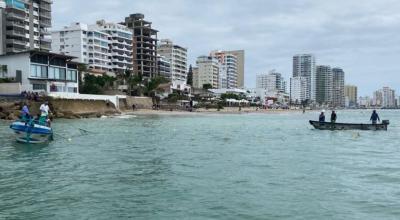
(44,109)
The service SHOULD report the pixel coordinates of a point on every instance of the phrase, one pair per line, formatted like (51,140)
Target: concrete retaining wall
(10,88)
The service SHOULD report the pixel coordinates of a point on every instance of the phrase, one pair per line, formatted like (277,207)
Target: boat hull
(347,126)
(31,134)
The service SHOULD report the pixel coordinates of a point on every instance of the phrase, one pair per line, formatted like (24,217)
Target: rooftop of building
(37,52)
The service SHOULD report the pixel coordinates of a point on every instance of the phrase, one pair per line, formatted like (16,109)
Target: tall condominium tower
(388,97)
(324,85)
(89,44)
(304,66)
(240,57)
(207,72)
(177,56)
(144,45)
(338,97)
(298,91)
(24,25)
(120,46)
(351,95)
(228,69)
(273,81)
(103,46)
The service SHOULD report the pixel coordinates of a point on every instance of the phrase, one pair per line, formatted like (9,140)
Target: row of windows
(45,72)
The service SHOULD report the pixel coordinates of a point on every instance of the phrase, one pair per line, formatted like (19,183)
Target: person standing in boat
(375,117)
(333,117)
(322,117)
(25,114)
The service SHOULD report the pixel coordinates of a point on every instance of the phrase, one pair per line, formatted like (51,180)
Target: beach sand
(226,110)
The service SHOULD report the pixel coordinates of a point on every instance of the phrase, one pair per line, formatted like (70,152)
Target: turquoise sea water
(251,166)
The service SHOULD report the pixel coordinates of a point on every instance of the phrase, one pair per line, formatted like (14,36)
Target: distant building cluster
(382,98)
(220,70)
(313,84)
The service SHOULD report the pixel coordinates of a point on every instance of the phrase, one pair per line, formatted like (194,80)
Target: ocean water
(250,166)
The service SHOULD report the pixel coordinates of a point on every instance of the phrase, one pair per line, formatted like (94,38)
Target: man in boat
(322,117)
(333,117)
(45,109)
(375,117)
(25,115)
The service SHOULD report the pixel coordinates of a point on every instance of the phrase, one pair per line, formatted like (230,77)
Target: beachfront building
(304,66)
(206,72)
(388,97)
(338,96)
(39,71)
(351,94)
(120,45)
(324,85)
(177,56)
(377,99)
(240,62)
(164,67)
(24,25)
(228,77)
(87,43)
(273,81)
(144,45)
(298,90)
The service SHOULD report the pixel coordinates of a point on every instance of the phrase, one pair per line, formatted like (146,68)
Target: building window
(41,87)
(71,75)
(38,71)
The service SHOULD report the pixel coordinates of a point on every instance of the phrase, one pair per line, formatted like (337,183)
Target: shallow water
(253,166)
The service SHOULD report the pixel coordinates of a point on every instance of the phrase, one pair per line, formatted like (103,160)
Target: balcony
(16,16)
(17,42)
(16,33)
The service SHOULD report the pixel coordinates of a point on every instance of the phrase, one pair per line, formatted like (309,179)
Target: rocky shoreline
(65,109)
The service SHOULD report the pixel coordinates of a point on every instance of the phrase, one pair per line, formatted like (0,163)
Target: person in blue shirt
(322,117)
(25,114)
(375,117)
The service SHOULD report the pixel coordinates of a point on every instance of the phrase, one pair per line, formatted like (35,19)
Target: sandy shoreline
(224,111)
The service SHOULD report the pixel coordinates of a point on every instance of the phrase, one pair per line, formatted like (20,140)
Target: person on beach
(333,117)
(374,117)
(25,114)
(322,117)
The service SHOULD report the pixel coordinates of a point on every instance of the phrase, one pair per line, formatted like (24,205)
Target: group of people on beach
(374,117)
(42,117)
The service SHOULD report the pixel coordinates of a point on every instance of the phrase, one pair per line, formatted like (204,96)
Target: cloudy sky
(362,37)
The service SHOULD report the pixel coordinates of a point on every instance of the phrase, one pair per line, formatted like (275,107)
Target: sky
(362,37)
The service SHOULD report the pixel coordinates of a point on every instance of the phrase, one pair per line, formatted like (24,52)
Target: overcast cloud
(360,36)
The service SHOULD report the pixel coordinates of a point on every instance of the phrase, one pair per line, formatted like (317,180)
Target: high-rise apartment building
(120,45)
(87,43)
(144,45)
(304,66)
(24,25)
(177,56)
(273,81)
(298,90)
(351,94)
(207,72)
(388,98)
(104,46)
(377,99)
(324,85)
(240,57)
(228,77)
(338,97)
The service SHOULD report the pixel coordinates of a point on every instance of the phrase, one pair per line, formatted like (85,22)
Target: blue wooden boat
(32,132)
